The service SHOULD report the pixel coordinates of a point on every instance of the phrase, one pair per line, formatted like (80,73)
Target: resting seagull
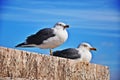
(81,53)
(47,38)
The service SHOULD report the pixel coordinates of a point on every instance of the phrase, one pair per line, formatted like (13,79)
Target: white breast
(85,55)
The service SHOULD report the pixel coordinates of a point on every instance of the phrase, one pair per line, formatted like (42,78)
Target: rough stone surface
(22,65)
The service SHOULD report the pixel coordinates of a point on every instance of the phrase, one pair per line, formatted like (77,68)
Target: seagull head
(86,46)
(61,25)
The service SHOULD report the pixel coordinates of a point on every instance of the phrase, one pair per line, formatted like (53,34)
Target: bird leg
(51,52)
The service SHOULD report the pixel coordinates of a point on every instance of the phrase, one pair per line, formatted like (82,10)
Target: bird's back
(40,36)
(69,53)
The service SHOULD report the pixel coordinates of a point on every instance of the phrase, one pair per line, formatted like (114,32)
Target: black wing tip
(56,53)
(20,45)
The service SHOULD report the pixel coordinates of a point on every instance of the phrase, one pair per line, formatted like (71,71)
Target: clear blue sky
(93,21)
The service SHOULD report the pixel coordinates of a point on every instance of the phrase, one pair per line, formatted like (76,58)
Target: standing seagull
(47,38)
(81,53)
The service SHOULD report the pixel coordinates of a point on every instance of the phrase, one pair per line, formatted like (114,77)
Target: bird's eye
(85,45)
(60,24)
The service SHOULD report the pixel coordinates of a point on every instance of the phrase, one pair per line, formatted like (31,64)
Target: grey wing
(69,53)
(40,36)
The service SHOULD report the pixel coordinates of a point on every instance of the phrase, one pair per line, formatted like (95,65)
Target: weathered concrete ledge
(22,65)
